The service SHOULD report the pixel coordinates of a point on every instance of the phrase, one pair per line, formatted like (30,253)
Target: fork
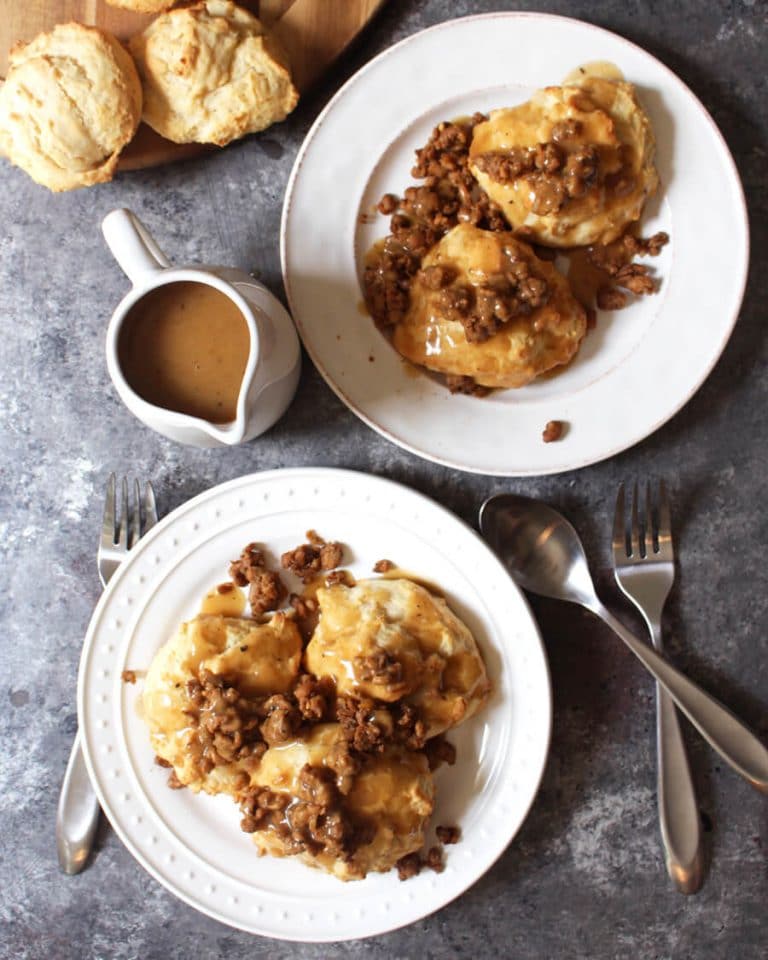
(644,567)
(78,812)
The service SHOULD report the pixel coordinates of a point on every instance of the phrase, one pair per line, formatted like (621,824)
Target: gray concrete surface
(584,877)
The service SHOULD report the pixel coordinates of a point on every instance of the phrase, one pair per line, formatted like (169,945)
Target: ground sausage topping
(315,820)
(380,668)
(623,276)
(227,725)
(483,310)
(449,195)
(440,751)
(555,175)
(368,725)
(553,431)
(448,835)
(309,559)
(458,383)
(265,588)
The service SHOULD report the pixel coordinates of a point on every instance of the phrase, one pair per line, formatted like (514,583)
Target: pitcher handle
(132,245)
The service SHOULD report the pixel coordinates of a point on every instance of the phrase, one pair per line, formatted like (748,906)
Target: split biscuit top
(572,166)
(393,640)
(390,796)
(70,103)
(211,74)
(474,321)
(143,6)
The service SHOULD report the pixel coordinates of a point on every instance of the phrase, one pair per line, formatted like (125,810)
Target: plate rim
(584,461)
(124,571)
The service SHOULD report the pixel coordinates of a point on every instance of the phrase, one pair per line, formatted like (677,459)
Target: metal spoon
(543,554)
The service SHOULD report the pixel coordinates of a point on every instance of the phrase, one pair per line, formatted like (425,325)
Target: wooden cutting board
(314,33)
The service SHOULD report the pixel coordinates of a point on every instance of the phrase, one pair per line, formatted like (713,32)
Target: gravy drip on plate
(184,347)
(595,68)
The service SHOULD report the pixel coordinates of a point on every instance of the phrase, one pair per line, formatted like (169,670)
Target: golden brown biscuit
(572,166)
(143,6)
(393,640)
(524,347)
(211,74)
(185,694)
(70,103)
(347,823)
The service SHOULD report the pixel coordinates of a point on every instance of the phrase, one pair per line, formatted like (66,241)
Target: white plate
(634,371)
(193,844)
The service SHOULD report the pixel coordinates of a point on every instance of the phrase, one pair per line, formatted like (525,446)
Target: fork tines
(124,527)
(647,531)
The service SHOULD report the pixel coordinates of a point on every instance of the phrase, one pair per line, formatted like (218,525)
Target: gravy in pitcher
(184,346)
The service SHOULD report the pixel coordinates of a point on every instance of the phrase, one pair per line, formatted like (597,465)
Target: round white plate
(634,371)
(193,844)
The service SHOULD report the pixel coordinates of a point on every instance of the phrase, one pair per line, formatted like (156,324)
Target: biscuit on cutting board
(143,6)
(70,102)
(211,74)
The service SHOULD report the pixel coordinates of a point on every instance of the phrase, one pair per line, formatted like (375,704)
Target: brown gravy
(184,347)
(225,600)
(585,278)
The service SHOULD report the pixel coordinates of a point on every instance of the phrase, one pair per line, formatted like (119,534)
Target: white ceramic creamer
(274,360)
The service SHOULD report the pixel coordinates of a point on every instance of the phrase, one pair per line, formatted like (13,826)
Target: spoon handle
(732,739)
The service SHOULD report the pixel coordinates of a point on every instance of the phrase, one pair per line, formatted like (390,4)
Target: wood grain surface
(314,33)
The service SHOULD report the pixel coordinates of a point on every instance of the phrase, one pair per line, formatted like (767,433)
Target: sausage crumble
(309,559)
(553,431)
(265,588)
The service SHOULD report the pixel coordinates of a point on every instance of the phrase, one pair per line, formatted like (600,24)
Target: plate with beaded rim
(192,844)
(633,372)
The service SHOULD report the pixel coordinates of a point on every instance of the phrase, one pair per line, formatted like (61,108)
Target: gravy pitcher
(270,361)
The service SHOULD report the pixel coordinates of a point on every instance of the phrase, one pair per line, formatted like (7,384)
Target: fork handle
(678,809)
(78,813)
(731,738)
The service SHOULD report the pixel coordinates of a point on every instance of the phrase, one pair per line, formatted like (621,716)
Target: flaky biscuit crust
(211,75)
(143,6)
(71,101)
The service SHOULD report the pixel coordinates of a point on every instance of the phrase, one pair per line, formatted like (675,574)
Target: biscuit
(143,6)
(579,162)
(389,794)
(527,344)
(211,74)
(70,103)
(432,660)
(260,659)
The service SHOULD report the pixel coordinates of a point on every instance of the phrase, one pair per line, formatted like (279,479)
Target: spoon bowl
(540,549)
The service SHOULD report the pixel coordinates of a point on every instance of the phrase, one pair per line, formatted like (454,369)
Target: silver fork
(644,567)
(78,812)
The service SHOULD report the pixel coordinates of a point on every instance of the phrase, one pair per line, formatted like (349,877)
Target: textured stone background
(584,878)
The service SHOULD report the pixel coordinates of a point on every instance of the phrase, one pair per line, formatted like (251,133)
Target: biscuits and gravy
(322,721)
(465,285)
(570,167)
(484,306)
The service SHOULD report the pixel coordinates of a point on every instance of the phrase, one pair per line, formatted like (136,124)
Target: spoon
(543,554)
